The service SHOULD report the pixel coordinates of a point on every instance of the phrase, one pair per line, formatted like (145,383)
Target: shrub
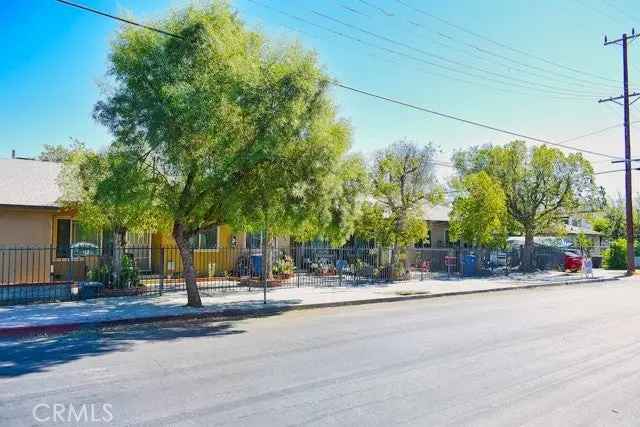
(100,273)
(615,257)
(129,273)
(283,266)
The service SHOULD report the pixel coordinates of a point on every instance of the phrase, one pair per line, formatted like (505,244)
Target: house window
(75,240)
(63,238)
(205,239)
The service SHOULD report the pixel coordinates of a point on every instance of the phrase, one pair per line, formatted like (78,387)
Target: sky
(536,68)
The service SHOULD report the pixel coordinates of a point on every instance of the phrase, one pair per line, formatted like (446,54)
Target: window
(206,239)
(63,238)
(75,240)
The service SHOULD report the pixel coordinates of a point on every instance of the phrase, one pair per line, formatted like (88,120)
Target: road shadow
(25,355)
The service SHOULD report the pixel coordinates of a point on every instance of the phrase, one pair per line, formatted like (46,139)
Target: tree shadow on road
(20,356)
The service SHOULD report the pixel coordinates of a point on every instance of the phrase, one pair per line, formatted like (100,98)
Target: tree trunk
(120,244)
(404,252)
(189,274)
(267,259)
(527,252)
(395,258)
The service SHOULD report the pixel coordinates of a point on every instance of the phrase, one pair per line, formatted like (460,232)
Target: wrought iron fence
(52,274)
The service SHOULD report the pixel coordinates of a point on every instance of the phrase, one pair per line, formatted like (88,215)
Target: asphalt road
(556,356)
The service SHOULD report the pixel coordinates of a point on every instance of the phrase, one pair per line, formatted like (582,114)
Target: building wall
(25,227)
(28,232)
(438,233)
(166,257)
(207,262)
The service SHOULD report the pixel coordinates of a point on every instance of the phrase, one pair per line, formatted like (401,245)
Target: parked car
(572,262)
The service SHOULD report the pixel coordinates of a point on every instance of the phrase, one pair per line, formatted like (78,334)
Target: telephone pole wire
(624,41)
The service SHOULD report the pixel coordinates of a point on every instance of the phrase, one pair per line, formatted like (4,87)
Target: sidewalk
(65,316)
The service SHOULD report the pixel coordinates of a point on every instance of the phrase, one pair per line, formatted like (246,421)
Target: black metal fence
(40,274)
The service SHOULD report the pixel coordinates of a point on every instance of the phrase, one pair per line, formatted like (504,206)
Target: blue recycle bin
(469,265)
(256,264)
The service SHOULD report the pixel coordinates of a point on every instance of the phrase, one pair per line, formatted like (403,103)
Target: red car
(572,262)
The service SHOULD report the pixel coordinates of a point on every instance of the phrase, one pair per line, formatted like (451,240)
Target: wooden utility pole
(624,41)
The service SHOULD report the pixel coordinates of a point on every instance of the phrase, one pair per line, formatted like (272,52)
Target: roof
(572,229)
(29,183)
(540,240)
(437,212)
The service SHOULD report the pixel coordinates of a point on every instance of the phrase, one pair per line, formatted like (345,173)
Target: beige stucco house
(38,238)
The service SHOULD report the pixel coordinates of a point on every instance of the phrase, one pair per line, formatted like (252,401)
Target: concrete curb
(238,314)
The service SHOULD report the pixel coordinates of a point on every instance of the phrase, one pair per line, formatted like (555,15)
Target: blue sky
(54,58)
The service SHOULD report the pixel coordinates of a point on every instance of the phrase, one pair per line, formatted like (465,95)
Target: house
(576,226)
(42,242)
(437,218)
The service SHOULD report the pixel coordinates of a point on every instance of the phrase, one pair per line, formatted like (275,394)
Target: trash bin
(597,262)
(88,290)
(469,265)
(256,264)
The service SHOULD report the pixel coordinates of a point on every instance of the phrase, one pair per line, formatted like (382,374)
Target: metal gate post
(162,266)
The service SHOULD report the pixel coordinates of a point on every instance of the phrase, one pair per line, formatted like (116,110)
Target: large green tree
(479,213)
(298,146)
(402,179)
(110,193)
(542,185)
(218,115)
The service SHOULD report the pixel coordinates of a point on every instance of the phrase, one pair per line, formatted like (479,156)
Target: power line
(502,45)
(378,8)
(599,11)
(566,95)
(596,132)
(473,123)
(609,171)
(576,81)
(440,57)
(117,18)
(422,70)
(395,101)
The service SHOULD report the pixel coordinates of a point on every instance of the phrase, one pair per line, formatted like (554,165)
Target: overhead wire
(445,59)
(521,66)
(405,104)
(558,93)
(510,89)
(503,45)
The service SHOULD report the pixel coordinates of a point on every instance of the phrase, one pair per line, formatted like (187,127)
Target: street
(556,356)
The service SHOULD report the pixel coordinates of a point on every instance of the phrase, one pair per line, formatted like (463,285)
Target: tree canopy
(225,121)
(479,214)
(402,181)
(542,185)
(61,153)
(611,221)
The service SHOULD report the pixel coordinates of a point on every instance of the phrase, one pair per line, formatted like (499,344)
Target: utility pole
(624,41)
